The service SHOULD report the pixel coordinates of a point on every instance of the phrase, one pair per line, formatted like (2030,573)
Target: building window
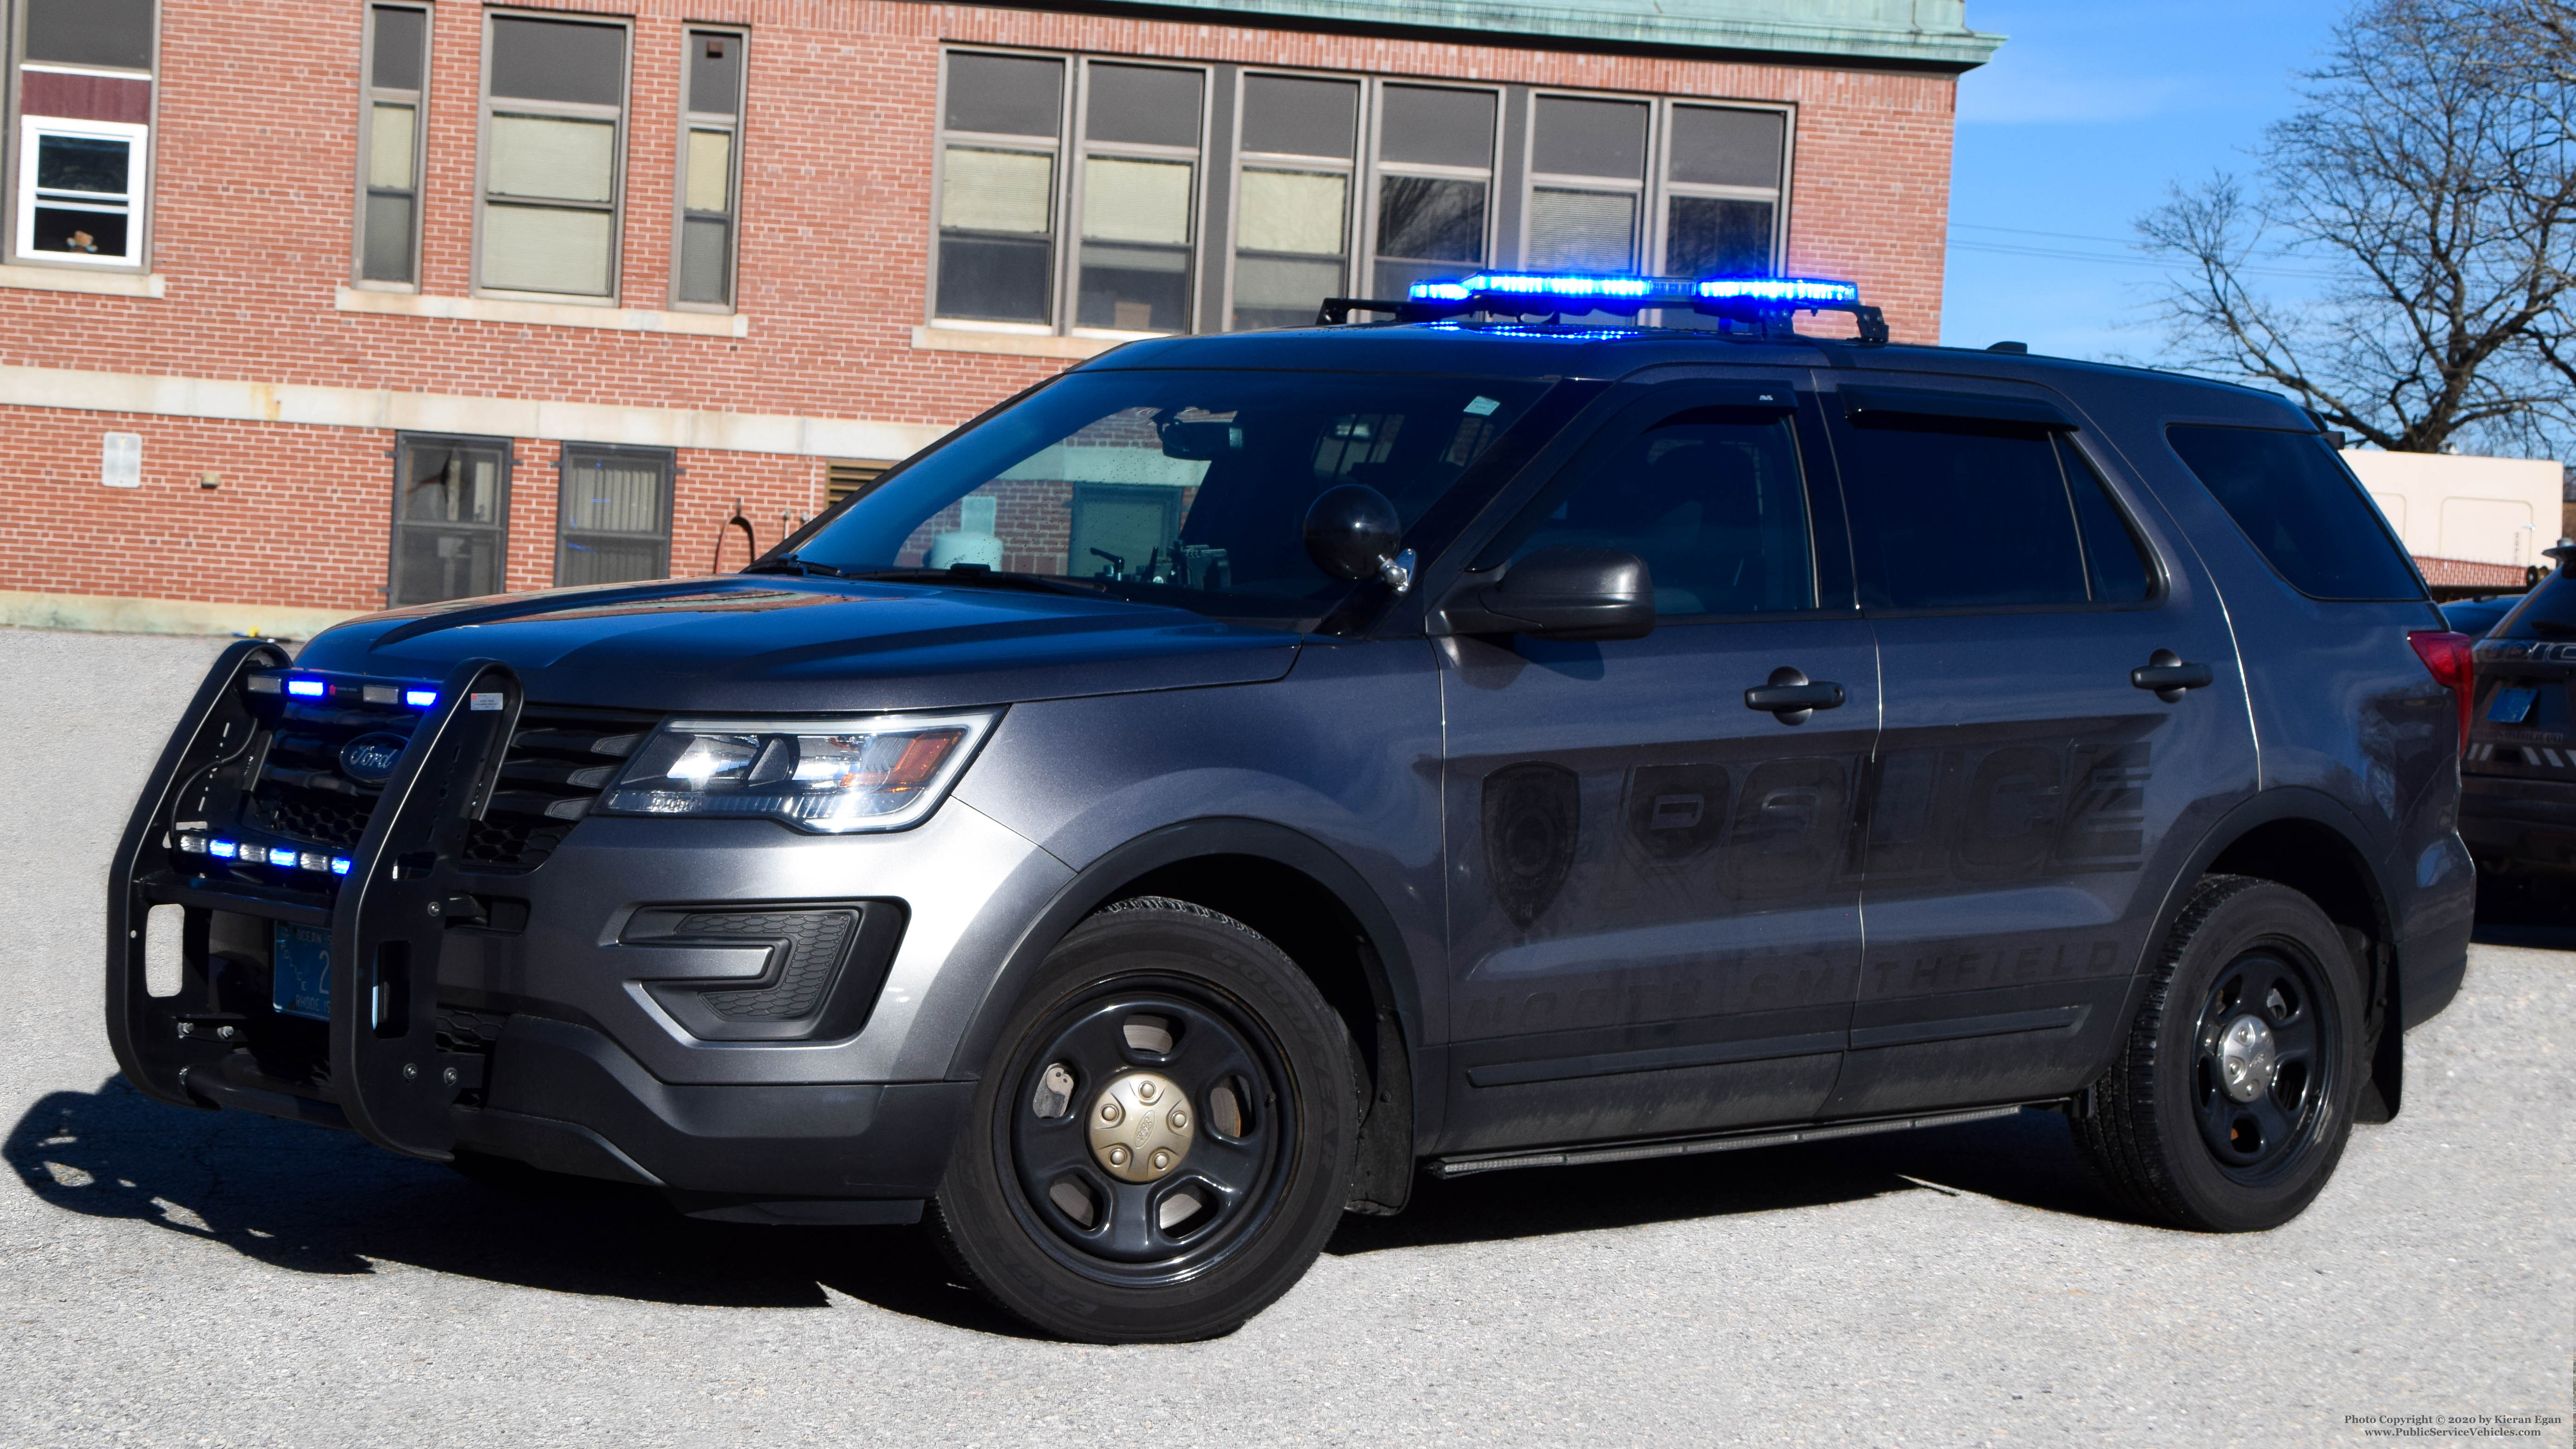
(1722,172)
(553,134)
(389,144)
(843,478)
(1140,153)
(1001,120)
(84,132)
(451,518)
(1292,197)
(614,525)
(1435,176)
(1587,184)
(710,169)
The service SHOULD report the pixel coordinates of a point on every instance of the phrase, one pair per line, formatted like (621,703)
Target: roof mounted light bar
(1762,304)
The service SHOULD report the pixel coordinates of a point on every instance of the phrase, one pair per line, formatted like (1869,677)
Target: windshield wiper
(791,564)
(975,576)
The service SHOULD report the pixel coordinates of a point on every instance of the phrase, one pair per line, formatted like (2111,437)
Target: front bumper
(2519,825)
(553,1014)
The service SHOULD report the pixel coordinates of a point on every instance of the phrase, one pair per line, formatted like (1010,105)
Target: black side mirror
(1561,593)
(1353,532)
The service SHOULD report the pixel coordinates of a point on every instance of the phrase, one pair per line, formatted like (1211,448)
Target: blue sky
(2075,128)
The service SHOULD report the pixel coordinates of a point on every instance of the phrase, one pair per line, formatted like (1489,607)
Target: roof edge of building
(1881,32)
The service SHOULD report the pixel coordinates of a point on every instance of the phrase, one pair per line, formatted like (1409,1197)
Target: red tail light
(2446,656)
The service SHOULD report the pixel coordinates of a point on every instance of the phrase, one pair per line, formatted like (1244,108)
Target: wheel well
(2315,861)
(1300,917)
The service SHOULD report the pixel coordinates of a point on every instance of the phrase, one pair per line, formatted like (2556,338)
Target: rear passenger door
(1653,923)
(2027,801)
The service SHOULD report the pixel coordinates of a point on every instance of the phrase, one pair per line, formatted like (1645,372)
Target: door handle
(1791,696)
(2166,674)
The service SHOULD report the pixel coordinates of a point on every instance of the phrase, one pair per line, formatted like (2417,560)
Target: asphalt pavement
(178,1278)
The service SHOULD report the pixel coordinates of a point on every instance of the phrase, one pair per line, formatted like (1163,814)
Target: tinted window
(2547,612)
(1709,497)
(1963,513)
(2301,509)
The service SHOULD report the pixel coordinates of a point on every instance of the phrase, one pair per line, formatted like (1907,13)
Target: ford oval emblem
(370,759)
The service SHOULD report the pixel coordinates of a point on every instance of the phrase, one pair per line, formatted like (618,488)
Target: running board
(1447,1167)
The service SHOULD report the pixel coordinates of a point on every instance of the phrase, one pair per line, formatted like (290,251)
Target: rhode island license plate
(301,972)
(2511,706)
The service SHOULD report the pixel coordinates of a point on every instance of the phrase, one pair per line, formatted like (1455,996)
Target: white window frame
(732,125)
(368,94)
(31,132)
(485,105)
(1354,172)
(1378,167)
(1083,148)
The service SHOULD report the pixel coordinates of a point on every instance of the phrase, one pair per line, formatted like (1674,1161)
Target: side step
(1448,1167)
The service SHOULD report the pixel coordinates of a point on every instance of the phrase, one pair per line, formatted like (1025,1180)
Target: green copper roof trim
(1931,33)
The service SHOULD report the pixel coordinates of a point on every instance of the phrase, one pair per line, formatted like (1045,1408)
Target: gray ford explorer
(1246,772)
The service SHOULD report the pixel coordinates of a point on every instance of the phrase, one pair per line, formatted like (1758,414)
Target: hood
(801,645)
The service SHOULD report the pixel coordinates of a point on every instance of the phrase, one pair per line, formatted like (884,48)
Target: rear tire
(1162,1140)
(2232,1099)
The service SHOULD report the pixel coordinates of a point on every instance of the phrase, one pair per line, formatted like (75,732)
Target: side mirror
(1353,532)
(1561,593)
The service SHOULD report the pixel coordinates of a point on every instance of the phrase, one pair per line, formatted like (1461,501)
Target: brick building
(308,305)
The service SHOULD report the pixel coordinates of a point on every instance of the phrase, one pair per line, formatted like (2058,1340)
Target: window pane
(1299,117)
(402,36)
(2113,556)
(1710,498)
(389,229)
(535,249)
(1437,127)
(710,171)
(1145,105)
(715,73)
(612,495)
(557,159)
(1134,289)
(1005,94)
(2301,509)
(995,280)
(1291,211)
(82,163)
(1718,147)
(1422,216)
(558,60)
(436,564)
(1590,138)
(389,147)
(1136,201)
(1712,236)
(1282,292)
(1955,519)
(1589,231)
(91,32)
(609,561)
(450,485)
(704,243)
(80,231)
(996,191)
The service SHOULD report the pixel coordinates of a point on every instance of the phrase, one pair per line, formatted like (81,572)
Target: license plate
(2511,706)
(300,972)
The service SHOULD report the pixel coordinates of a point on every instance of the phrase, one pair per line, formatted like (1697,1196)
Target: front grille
(559,762)
(815,941)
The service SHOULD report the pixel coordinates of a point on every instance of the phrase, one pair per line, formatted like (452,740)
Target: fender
(1386,1168)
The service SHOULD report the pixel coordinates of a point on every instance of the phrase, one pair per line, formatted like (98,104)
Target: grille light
(222,849)
(340,865)
(192,845)
(312,860)
(307,688)
(252,854)
(265,684)
(380,694)
(421,698)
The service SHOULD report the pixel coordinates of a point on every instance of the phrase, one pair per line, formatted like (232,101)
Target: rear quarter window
(2547,612)
(2301,509)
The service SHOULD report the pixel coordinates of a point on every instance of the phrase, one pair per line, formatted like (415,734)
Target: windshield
(1187,488)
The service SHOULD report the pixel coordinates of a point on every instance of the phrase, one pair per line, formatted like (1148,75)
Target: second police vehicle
(1225,782)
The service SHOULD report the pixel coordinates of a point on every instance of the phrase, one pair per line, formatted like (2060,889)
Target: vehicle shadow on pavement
(316,1201)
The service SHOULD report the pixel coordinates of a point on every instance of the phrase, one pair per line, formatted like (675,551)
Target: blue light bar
(420,698)
(307,688)
(222,849)
(340,864)
(1557,287)
(1777,289)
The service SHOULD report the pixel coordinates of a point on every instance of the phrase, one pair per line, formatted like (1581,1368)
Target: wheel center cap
(2245,1063)
(1142,1126)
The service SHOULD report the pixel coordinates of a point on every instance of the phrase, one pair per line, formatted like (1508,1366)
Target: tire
(2173,1134)
(1043,1212)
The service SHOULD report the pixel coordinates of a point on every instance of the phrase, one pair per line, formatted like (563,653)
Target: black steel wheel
(2232,1099)
(1164,1138)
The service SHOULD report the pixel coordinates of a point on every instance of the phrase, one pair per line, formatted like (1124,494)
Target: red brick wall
(252,221)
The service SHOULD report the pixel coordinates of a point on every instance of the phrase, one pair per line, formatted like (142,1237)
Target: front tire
(1163,1139)
(2232,1100)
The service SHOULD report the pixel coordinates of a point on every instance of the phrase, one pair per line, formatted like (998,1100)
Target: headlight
(882,772)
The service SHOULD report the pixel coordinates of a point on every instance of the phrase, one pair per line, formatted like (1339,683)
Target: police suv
(1240,775)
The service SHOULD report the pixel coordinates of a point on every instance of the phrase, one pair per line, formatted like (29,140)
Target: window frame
(404,442)
(31,132)
(1353,170)
(1373,128)
(1645,233)
(17,200)
(1663,188)
(1058,206)
(733,126)
(668,459)
(418,100)
(1080,148)
(617,116)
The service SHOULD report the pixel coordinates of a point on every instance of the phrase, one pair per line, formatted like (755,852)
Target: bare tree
(2426,183)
